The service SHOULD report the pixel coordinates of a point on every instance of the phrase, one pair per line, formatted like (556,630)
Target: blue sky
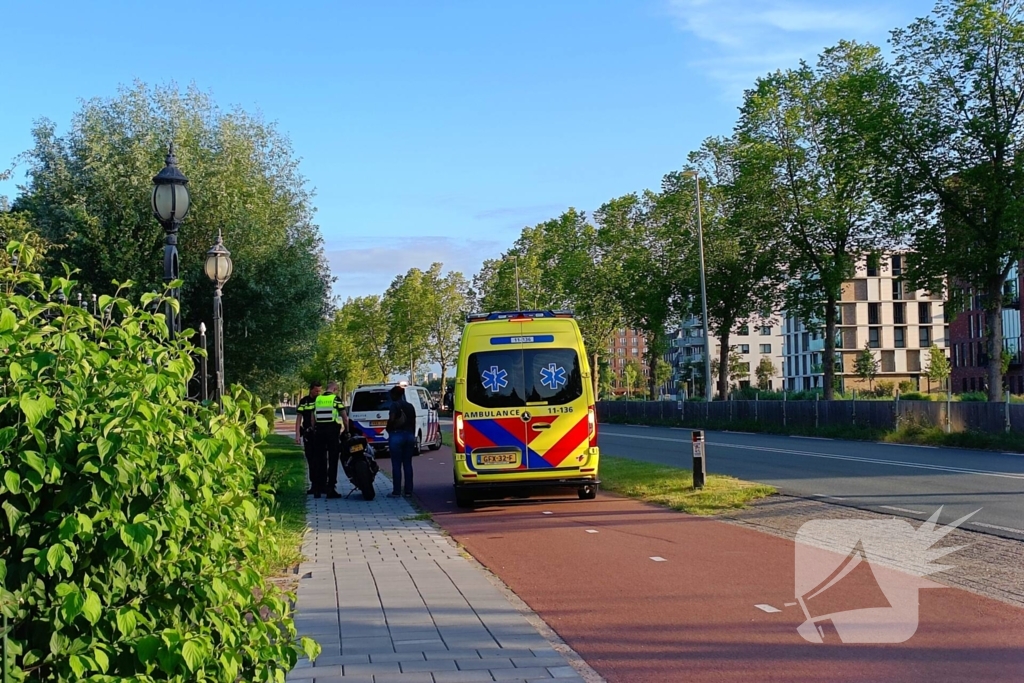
(435,130)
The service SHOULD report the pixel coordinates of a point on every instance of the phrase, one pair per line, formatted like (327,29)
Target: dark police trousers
(326,450)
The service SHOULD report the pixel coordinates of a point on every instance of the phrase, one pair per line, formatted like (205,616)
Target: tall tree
(447,301)
(953,142)
(800,145)
(406,304)
(866,366)
(641,241)
(89,196)
(337,356)
(744,271)
(367,324)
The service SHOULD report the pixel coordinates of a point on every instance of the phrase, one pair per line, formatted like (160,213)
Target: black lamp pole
(170,205)
(218,268)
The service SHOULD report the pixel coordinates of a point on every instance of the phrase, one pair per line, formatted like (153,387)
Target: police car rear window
(368,401)
(513,378)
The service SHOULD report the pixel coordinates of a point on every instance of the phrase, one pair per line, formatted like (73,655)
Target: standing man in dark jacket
(331,420)
(304,431)
(401,440)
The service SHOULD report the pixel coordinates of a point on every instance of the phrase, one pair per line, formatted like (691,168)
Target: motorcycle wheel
(363,479)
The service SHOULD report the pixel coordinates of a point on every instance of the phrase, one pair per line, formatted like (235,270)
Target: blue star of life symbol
(553,377)
(494,379)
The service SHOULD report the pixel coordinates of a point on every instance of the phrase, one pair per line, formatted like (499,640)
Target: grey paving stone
(397,657)
(487,663)
(432,665)
(520,674)
(545,661)
(372,669)
(481,676)
(453,654)
(404,678)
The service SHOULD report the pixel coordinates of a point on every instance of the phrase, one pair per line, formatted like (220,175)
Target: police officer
(304,431)
(330,421)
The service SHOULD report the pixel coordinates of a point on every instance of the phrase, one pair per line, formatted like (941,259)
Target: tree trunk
(723,366)
(994,323)
(444,376)
(829,361)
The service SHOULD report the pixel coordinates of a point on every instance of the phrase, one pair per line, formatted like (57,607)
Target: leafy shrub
(974,396)
(907,387)
(915,396)
(132,541)
(884,389)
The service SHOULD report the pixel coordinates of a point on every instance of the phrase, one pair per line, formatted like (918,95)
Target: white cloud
(745,39)
(367,266)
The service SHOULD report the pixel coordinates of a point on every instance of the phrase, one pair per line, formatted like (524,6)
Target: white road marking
(890,507)
(591,531)
(659,559)
(767,608)
(998,528)
(830,456)
(810,438)
(788,604)
(904,445)
(730,431)
(822,495)
(547,512)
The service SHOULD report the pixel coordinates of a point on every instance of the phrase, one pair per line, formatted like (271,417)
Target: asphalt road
(907,481)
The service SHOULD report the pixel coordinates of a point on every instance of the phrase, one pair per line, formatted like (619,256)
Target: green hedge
(133,537)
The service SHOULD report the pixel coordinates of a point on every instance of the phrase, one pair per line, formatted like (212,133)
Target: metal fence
(952,416)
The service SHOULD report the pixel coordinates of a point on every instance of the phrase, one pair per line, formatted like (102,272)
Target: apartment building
(878,310)
(969,357)
(802,354)
(750,343)
(627,344)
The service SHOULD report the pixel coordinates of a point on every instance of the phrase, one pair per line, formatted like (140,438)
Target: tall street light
(218,268)
(170,205)
(703,291)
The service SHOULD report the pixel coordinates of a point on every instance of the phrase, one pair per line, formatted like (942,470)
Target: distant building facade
(968,345)
(626,345)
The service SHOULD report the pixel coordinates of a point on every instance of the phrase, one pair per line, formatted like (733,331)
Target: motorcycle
(359,465)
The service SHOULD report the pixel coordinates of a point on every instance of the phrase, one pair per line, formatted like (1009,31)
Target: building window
(805,365)
(636,352)
(744,348)
(766,331)
(926,336)
(874,314)
(897,265)
(744,330)
(634,341)
(945,336)
(900,337)
(874,335)
(899,314)
(897,290)
(924,313)
(766,348)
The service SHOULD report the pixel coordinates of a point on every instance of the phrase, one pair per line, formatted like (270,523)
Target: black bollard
(699,465)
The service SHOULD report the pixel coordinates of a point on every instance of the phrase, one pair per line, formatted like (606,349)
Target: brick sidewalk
(391,599)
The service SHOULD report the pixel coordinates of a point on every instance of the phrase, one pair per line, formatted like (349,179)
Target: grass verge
(446,438)
(673,487)
(285,471)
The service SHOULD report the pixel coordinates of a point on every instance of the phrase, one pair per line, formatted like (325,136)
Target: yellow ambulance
(524,407)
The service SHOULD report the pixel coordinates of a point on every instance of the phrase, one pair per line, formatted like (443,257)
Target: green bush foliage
(131,536)
(974,396)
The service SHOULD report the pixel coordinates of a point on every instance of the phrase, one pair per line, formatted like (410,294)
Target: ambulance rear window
(513,378)
(368,401)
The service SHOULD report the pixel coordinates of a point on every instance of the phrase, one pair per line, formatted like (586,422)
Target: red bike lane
(646,594)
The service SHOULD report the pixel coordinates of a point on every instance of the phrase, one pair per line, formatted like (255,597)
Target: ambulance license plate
(498,459)
(378,423)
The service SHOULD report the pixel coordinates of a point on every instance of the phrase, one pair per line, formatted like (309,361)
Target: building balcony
(816,345)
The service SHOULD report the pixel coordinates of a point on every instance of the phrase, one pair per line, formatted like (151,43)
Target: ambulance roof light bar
(513,315)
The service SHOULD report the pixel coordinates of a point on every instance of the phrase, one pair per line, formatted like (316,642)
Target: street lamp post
(703,291)
(218,268)
(170,205)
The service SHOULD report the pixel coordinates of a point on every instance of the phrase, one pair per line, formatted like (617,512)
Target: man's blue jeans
(402,446)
